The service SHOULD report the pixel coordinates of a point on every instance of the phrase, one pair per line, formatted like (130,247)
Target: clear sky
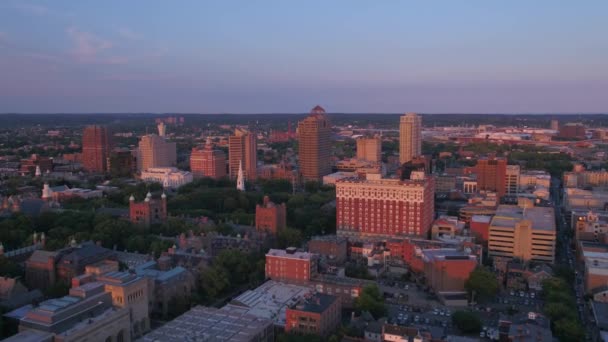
(224,56)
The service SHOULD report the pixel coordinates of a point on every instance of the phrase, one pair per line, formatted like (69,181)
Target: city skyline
(474,57)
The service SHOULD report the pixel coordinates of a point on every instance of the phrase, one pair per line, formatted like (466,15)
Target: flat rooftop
(210,324)
(269,300)
(507,216)
(317,303)
(290,253)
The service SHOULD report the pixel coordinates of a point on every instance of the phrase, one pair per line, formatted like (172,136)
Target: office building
(242,150)
(35,164)
(385,207)
(491,175)
(534,178)
(512,175)
(314,135)
(582,179)
(555,125)
(96,146)
(369,149)
(410,137)
(270,217)
(317,314)
(154,151)
(169,177)
(574,131)
(524,233)
(290,265)
(208,162)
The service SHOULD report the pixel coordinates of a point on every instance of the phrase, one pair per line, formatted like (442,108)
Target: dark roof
(399,330)
(318,303)
(32,207)
(22,299)
(86,250)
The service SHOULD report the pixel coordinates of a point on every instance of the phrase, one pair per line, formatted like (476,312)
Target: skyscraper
(96,145)
(208,162)
(410,137)
(314,134)
(154,151)
(243,148)
(369,149)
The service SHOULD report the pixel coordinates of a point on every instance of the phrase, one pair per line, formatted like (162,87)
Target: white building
(169,177)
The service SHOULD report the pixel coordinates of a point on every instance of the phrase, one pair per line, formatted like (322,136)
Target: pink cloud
(87,46)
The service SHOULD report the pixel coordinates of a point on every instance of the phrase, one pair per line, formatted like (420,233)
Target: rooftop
(507,216)
(269,300)
(210,324)
(316,303)
(290,253)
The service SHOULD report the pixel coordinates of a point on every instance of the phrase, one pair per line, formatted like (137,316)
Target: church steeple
(240,180)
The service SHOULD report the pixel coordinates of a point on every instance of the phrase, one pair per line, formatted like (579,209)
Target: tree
(9,268)
(482,284)
(371,300)
(466,322)
(289,237)
(569,330)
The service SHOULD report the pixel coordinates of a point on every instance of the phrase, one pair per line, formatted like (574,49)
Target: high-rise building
(154,151)
(369,149)
(491,174)
(410,137)
(385,207)
(162,129)
(512,179)
(242,148)
(208,162)
(314,134)
(96,146)
(572,130)
(555,125)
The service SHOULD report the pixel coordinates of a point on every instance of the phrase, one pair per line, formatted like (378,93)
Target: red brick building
(208,162)
(148,212)
(289,265)
(332,247)
(480,227)
(314,136)
(270,217)
(96,146)
(446,270)
(572,131)
(385,207)
(29,165)
(491,174)
(318,314)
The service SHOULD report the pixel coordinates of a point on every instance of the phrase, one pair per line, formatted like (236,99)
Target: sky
(231,56)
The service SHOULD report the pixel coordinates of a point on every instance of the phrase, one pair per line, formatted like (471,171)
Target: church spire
(240,180)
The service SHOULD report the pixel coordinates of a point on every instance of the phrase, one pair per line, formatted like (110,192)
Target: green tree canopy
(482,283)
(371,299)
(467,322)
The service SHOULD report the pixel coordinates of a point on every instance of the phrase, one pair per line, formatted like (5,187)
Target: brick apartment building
(290,265)
(270,217)
(318,314)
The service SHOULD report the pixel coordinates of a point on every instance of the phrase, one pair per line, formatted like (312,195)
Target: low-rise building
(447,270)
(169,177)
(330,247)
(316,314)
(447,226)
(290,265)
(86,314)
(211,324)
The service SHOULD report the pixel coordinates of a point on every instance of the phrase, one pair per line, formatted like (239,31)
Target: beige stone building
(410,137)
(369,149)
(154,151)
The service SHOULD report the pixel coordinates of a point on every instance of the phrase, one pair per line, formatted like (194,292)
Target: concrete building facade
(314,135)
(410,137)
